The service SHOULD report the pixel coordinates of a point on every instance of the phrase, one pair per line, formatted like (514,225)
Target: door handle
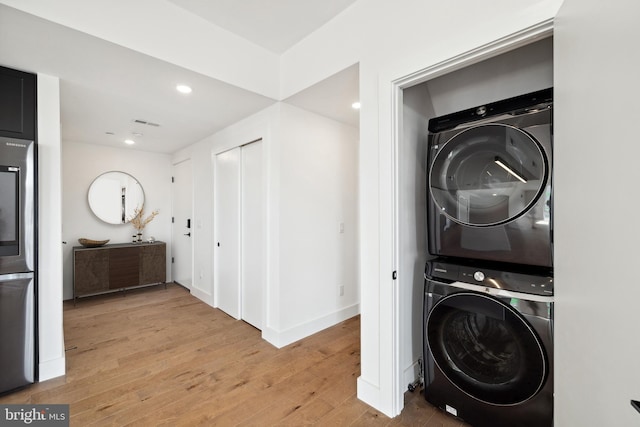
(188,234)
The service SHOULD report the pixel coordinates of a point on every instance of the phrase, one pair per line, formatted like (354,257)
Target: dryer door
(488,175)
(486,349)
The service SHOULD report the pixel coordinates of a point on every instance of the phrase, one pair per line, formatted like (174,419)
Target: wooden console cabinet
(117,267)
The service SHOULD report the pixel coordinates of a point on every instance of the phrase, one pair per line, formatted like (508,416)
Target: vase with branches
(139,221)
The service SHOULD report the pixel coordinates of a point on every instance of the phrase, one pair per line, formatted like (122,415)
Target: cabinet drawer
(124,265)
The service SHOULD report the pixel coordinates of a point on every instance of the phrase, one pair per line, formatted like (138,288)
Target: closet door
(252,231)
(227,231)
(239,219)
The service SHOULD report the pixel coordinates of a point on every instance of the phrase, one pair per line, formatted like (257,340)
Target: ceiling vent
(144,122)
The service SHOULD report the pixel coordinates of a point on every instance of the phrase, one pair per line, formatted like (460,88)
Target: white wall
(392,40)
(403,37)
(81,164)
(596,232)
(524,70)
(50,333)
(310,170)
(317,192)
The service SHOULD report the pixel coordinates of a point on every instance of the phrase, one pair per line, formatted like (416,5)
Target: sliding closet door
(227,231)
(239,218)
(252,231)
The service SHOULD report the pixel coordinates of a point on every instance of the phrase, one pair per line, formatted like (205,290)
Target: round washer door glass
(488,175)
(486,349)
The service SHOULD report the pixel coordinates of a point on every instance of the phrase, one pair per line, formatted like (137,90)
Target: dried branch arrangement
(139,221)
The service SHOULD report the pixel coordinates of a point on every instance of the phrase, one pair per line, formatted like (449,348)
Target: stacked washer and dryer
(488,302)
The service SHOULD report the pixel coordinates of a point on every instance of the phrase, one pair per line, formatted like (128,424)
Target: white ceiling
(105,87)
(332,97)
(275,25)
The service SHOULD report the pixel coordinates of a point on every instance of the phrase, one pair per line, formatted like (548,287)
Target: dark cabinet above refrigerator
(17,104)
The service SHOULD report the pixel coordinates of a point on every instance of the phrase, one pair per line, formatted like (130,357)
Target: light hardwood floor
(162,357)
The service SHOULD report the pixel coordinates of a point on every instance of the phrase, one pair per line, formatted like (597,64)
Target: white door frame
(390,295)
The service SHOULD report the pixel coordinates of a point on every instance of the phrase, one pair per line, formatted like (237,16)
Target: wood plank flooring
(160,357)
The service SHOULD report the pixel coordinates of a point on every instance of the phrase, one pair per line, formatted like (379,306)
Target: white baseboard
(291,335)
(51,369)
(202,296)
(372,396)
(368,393)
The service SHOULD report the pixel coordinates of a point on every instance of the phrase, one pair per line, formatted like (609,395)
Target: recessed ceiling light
(110,133)
(355,105)
(183,89)
(129,141)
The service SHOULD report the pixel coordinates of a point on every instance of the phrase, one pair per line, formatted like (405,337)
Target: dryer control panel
(491,278)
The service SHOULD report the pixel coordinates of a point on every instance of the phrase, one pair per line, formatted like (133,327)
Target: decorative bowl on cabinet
(89,243)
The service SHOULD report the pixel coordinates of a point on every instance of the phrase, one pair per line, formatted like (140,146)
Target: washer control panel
(479,276)
(491,278)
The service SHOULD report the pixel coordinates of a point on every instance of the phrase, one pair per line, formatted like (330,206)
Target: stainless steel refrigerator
(17,263)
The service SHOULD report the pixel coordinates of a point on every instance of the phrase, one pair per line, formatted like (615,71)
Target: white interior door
(227,231)
(182,207)
(252,232)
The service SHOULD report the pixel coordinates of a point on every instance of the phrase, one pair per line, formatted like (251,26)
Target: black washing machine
(488,345)
(489,182)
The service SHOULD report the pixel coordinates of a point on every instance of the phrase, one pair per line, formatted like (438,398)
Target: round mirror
(113,197)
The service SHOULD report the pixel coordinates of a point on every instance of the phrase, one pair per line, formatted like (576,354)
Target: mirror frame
(121,212)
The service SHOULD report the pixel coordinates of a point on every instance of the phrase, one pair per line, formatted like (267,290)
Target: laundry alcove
(524,69)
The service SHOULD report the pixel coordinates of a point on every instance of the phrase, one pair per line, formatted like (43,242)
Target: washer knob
(479,276)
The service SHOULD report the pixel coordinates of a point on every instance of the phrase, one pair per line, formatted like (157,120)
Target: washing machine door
(488,175)
(486,348)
